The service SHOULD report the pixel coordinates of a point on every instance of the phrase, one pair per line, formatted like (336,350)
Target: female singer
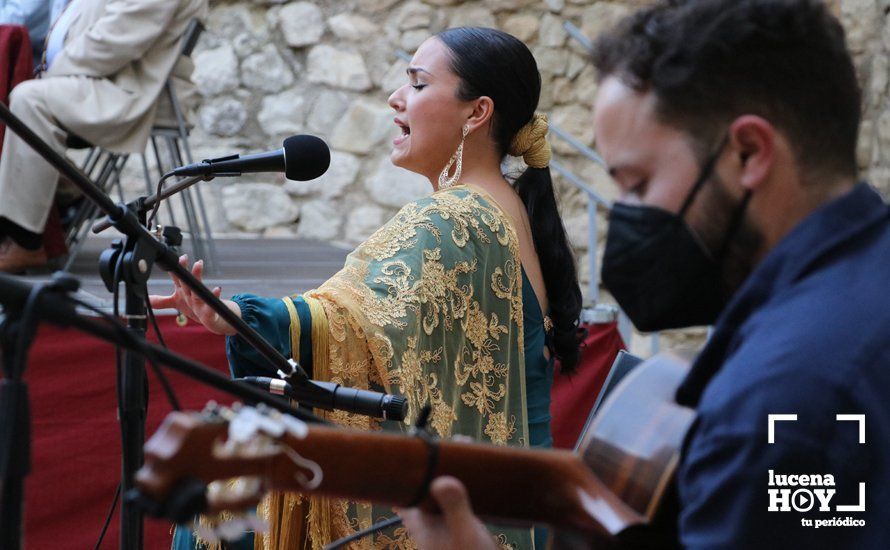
(462,300)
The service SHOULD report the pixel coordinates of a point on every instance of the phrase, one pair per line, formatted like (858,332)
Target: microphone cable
(379,526)
(162,378)
(114,320)
(158,190)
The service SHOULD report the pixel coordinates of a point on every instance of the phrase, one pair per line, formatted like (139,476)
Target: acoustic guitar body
(633,447)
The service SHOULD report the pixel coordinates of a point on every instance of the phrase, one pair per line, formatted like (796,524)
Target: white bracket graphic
(771,424)
(854,507)
(855,418)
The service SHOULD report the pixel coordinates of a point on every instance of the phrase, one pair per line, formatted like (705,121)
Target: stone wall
(267,69)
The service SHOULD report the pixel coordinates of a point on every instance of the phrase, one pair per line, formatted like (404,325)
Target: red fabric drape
(76,437)
(17,65)
(573,396)
(16,62)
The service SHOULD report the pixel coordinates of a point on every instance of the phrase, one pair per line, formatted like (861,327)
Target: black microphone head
(305,157)
(395,408)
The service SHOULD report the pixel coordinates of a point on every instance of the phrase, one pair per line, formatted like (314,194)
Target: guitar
(613,488)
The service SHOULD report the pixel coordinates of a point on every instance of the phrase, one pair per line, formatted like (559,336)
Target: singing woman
(461,301)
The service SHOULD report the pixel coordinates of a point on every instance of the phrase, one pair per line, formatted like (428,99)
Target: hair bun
(531,143)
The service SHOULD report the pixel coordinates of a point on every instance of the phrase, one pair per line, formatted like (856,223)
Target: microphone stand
(134,263)
(16,334)
(143,204)
(24,305)
(61,310)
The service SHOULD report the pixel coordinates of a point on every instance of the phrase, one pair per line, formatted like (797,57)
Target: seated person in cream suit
(106,63)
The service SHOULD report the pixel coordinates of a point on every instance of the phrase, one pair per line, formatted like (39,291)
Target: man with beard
(730,127)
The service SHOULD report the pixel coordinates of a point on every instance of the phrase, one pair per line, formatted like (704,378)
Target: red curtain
(75,434)
(17,65)
(573,396)
(16,62)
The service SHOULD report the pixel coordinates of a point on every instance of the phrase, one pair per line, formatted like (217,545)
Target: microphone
(364,402)
(302,158)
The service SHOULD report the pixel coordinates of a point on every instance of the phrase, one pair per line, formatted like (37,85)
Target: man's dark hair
(710,61)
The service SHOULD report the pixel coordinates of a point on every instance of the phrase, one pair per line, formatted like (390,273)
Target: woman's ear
(483,111)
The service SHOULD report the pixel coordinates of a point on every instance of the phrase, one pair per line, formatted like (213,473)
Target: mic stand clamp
(142,205)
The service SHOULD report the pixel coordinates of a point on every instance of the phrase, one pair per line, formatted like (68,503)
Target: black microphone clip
(331,396)
(210,162)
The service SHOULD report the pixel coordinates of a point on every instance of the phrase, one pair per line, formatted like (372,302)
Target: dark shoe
(15,259)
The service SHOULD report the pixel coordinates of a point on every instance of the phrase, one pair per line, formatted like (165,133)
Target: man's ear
(483,111)
(753,139)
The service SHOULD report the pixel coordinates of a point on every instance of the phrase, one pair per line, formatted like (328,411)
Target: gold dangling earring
(458,157)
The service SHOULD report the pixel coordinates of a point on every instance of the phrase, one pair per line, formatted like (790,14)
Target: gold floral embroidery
(420,388)
(506,283)
(483,394)
(400,540)
(499,430)
(503,543)
(442,417)
(400,233)
(441,296)
(430,307)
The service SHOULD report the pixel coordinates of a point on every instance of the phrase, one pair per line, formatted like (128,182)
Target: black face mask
(658,271)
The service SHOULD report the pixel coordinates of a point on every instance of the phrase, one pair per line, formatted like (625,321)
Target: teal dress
(538,369)
(270,317)
(538,380)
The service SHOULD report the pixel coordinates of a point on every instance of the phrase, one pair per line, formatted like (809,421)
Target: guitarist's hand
(456,529)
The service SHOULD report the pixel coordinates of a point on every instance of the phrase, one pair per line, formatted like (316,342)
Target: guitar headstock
(193,458)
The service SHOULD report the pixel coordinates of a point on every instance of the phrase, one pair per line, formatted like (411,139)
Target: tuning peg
(186,500)
(230,530)
(145,503)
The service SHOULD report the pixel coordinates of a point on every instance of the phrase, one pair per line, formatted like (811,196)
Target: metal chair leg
(108,175)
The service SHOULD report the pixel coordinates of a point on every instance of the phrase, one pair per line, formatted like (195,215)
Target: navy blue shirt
(807,334)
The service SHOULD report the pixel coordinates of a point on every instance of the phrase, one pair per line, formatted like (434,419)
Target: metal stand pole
(133,405)
(15,442)
(18,326)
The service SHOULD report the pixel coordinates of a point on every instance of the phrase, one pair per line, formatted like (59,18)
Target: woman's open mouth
(406,132)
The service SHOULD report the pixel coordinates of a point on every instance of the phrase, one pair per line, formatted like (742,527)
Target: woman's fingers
(203,309)
(182,300)
(173,300)
(162,302)
(190,304)
(182,297)
(208,316)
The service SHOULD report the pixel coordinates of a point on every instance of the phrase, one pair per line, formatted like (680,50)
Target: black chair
(104,168)
(170,147)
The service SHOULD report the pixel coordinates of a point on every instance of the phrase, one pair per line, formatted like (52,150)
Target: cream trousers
(27,182)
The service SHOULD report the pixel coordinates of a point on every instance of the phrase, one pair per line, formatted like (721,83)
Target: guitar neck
(506,485)
(630,452)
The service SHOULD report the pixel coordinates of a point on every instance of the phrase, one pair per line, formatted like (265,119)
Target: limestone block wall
(267,69)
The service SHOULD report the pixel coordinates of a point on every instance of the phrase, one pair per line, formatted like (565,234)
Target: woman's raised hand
(191,305)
